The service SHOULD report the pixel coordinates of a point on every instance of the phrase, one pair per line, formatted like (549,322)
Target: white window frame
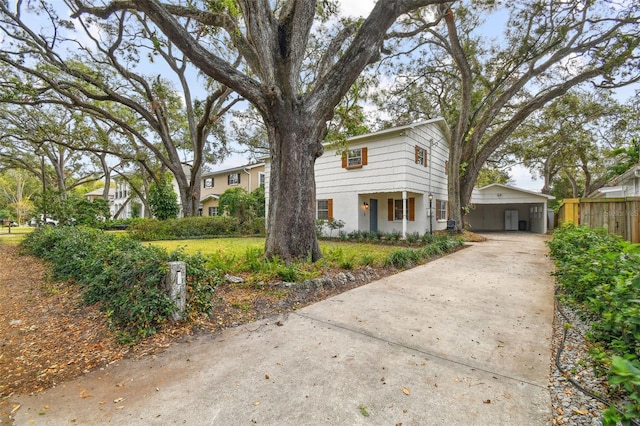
(398,209)
(208,182)
(233,179)
(322,209)
(354,157)
(441,213)
(261,178)
(422,155)
(213,211)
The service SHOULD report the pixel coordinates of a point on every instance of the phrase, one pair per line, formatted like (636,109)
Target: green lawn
(239,246)
(17,233)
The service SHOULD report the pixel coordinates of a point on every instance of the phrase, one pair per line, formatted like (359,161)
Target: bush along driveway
(598,279)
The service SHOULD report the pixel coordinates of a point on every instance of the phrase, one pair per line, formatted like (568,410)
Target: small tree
(163,200)
(235,202)
(257,199)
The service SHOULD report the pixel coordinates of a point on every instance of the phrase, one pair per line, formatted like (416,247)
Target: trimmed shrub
(194,227)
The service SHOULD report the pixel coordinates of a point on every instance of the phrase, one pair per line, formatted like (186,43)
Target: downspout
(249,174)
(404,214)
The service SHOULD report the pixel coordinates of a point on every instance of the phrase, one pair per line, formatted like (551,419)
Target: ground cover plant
(245,256)
(120,274)
(125,277)
(598,274)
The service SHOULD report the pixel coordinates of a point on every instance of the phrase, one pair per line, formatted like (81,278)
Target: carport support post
(176,285)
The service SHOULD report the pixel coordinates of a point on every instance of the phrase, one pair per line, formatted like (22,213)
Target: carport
(499,207)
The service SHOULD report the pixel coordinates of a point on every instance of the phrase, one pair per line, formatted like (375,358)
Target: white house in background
(123,202)
(621,186)
(381,181)
(498,207)
(126,202)
(395,180)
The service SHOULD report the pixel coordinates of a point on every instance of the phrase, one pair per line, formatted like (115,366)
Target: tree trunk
(294,146)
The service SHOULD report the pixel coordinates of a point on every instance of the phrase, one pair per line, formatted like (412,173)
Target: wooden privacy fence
(616,215)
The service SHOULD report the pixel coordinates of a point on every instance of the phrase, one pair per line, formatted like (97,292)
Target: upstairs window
(261,178)
(421,156)
(233,179)
(354,158)
(208,183)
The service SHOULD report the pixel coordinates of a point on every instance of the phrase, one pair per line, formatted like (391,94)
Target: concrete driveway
(463,340)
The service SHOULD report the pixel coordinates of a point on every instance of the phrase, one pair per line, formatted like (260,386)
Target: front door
(373,215)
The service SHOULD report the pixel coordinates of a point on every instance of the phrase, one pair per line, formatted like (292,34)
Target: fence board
(617,215)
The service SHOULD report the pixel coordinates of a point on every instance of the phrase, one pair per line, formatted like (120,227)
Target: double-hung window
(208,182)
(421,156)
(441,210)
(395,209)
(354,158)
(324,209)
(233,179)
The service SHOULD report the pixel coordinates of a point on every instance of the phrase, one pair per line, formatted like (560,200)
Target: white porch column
(404,214)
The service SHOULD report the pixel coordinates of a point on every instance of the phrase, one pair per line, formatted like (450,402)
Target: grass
(339,253)
(17,233)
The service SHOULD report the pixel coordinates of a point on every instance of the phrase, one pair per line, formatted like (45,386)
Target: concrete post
(177,287)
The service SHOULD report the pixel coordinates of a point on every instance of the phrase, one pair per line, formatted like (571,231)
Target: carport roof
(485,195)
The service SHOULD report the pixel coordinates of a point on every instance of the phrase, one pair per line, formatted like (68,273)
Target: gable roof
(396,130)
(234,169)
(479,191)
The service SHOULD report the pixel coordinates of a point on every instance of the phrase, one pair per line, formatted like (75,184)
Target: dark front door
(373,215)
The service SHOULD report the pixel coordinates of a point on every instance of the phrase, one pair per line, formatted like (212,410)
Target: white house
(382,181)
(625,185)
(395,180)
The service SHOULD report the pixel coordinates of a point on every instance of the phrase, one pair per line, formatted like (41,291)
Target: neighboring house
(621,186)
(126,202)
(214,184)
(97,194)
(395,180)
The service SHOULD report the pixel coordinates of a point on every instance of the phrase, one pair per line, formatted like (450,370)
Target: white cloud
(523,179)
(356,8)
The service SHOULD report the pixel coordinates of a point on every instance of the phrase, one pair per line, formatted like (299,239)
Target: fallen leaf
(256,403)
(363,410)
(581,412)
(487,401)
(405,390)
(115,401)
(266,376)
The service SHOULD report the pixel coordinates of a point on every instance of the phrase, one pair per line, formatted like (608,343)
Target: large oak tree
(487,78)
(272,37)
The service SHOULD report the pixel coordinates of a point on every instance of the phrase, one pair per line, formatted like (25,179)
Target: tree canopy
(487,68)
